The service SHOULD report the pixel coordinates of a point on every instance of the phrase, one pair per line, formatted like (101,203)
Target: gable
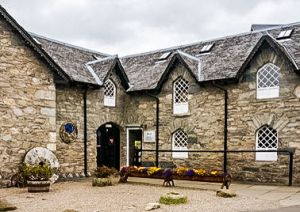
(267,50)
(58,73)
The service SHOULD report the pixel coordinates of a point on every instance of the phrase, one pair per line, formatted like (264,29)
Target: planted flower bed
(175,174)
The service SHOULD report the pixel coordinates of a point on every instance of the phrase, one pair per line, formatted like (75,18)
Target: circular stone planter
(38,186)
(173,198)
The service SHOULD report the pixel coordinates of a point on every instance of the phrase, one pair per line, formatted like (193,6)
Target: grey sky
(131,26)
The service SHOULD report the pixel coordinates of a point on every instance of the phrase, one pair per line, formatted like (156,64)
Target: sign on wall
(149,136)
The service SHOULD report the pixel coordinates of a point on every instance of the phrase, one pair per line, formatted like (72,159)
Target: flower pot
(38,186)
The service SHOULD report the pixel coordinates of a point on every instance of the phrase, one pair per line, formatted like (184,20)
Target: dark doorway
(135,137)
(108,146)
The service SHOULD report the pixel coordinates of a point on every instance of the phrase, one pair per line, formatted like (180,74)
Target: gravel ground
(82,197)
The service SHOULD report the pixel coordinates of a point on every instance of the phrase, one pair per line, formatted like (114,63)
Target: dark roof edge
(68,44)
(122,74)
(172,48)
(36,47)
(271,41)
(175,57)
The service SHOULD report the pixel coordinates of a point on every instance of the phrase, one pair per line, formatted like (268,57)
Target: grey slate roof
(144,72)
(223,62)
(71,59)
(257,27)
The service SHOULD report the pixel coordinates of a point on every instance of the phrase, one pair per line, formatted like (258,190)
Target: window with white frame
(267,81)
(266,139)
(109,93)
(180,96)
(179,142)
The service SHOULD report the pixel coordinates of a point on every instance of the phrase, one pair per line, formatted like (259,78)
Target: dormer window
(180,96)
(267,81)
(207,48)
(109,94)
(285,34)
(164,56)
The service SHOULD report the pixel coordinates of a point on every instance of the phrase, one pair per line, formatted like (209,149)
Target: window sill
(181,115)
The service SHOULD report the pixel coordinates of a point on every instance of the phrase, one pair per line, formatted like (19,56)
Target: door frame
(127,141)
(116,126)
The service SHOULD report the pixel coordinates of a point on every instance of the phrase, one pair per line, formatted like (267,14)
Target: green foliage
(104,172)
(173,199)
(102,182)
(41,172)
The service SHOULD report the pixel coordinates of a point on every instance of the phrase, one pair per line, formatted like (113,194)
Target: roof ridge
(67,44)
(102,59)
(173,48)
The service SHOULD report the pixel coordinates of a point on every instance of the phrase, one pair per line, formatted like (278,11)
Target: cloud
(131,26)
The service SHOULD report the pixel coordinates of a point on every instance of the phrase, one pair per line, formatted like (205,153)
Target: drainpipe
(225,125)
(157,128)
(85,131)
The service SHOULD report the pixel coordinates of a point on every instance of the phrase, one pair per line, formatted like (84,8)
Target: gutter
(225,124)
(85,131)
(157,128)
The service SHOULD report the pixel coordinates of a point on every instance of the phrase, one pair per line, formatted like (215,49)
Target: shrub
(41,172)
(104,172)
(173,198)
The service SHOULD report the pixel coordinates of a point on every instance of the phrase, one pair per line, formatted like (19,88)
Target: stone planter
(100,182)
(38,186)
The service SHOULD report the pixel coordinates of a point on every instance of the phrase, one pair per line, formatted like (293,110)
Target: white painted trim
(91,70)
(127,141)
(107,100)
(265,156)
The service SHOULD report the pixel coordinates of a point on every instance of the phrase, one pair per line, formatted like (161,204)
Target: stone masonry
(27,106)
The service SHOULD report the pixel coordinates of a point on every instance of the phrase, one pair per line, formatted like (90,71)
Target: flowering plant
(181,171)
(153,170)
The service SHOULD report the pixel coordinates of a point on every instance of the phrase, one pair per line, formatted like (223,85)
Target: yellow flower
(200,172)
(181,171)
(141,169)
(214,173)
(152,170)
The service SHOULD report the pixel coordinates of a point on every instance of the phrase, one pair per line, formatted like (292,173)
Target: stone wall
(203,123)
(70,109)
(27,106)
(246,114)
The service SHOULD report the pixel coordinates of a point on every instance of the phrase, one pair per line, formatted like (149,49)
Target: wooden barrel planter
(38,186)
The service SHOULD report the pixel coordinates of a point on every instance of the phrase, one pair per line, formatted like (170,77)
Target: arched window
(266,139)
(267,81)
(180,96)
(109,93)
(179,142)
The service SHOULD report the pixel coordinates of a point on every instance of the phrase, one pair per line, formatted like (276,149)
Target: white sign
(149,136)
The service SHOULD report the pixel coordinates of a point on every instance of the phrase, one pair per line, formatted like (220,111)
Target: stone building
(92,109)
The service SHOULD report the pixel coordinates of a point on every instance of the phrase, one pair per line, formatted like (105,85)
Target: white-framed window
(267,81)
(180,96)
(266,139)
(179,142)
(109,93)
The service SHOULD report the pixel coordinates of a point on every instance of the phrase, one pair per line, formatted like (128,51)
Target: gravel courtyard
(81,196)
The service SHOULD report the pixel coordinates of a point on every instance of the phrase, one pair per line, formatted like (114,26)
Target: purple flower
(167,173)
(190,172)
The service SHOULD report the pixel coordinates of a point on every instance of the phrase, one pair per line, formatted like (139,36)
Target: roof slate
(223,62)
(70,58)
